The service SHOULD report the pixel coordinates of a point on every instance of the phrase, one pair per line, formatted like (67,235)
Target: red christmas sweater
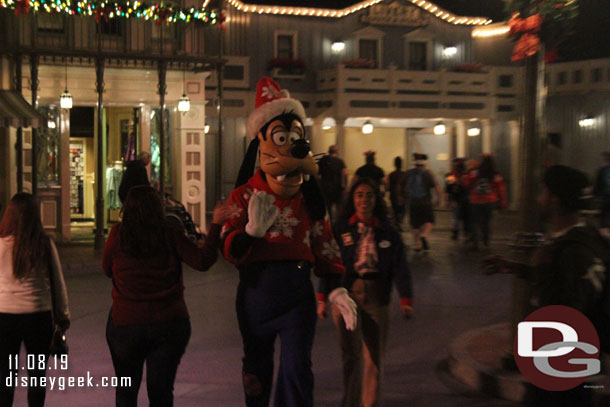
(292,237)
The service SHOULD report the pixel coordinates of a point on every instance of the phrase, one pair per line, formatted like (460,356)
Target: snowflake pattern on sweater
(293,236)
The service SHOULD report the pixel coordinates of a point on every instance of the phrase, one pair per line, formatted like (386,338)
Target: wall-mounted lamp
(449,52)
(51,124)
(337,47)
(473,131)
(586,122)
(328,123)
(206,128)
(65,100)
(439,129)
(367,127)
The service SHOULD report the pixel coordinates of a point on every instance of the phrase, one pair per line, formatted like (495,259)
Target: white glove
(261,213)
(347,306)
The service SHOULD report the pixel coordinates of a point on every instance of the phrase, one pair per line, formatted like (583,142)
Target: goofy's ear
(247,166)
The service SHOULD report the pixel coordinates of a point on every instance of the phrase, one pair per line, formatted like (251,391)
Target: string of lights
(103,9)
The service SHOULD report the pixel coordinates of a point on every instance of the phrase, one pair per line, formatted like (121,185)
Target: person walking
(419,183)
(486,192)
(457,198)
(333,179)
(396,185)
(374,257)
(29,263)
(602,192)
(370,170)
(570,268)
(149,321)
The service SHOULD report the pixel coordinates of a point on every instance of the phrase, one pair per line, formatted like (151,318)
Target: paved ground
(452,296)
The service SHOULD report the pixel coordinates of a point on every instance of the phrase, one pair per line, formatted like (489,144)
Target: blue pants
(277,299)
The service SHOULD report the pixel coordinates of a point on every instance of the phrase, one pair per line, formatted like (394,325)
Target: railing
(578,76)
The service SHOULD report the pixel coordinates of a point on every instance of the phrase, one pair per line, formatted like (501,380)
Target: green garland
(160,13)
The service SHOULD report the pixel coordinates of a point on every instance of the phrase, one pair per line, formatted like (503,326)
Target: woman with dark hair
(374,257)
(486,193)
(149,321)
(27,259)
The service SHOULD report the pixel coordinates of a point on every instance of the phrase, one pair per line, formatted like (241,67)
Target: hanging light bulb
(65,100)
(206,128)
(473,131)
(184,103)
(367,127)
(440,129)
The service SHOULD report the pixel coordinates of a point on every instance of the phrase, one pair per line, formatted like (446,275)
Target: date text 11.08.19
(38,362)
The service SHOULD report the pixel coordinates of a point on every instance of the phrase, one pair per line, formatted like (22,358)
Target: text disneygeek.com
(37,363)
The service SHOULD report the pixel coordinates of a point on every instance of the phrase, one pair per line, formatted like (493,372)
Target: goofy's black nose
(300,148)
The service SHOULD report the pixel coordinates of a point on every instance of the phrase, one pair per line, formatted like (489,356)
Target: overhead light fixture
(337,47)
(184,103)
(367,127)
(473,131)
(206,128)
(439,129)
(449,52)
(586,122)
(65,100)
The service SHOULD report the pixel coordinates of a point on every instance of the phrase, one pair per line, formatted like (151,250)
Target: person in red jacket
(149,321)
(487,192)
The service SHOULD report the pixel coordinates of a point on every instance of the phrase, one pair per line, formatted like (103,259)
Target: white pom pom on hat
(271,101)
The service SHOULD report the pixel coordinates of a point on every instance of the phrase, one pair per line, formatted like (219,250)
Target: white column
(190,169)
(515,167)
(315,136)
(486,136)
(461,149)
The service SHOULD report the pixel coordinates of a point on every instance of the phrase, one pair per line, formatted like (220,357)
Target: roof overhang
(16,112)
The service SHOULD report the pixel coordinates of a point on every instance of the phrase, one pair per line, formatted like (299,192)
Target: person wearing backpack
(419,182)
(602,192)
(487,192)
(571,268)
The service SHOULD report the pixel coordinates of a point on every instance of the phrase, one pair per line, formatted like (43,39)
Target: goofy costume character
(281,234)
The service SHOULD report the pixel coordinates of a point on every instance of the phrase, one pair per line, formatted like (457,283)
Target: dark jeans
(480,218)
(160,345)
(277,299)
(35,331)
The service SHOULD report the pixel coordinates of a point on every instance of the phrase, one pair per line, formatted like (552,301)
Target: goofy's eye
(294,136)
(280,137)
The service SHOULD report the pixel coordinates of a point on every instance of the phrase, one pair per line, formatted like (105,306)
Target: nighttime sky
(493,9)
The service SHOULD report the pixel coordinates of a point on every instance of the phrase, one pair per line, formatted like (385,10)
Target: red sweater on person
(151,290)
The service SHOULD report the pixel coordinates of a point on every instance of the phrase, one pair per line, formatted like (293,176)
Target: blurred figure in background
(419,184)
(602,192)
(396,185)
(486,192)
(370,170)
(333,180)
(457,197)
(135,174)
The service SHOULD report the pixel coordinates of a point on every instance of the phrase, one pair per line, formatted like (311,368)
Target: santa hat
(419,159)
(271,101)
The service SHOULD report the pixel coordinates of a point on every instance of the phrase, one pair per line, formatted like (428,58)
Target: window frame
(291,33)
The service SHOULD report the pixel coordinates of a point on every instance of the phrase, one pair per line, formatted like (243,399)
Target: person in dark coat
(135,174)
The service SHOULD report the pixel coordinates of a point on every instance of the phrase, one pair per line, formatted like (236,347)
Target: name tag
(348,240)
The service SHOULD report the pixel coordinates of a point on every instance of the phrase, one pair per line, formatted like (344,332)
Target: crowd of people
(148,324)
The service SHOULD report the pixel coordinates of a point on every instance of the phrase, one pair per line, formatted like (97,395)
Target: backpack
(416,188)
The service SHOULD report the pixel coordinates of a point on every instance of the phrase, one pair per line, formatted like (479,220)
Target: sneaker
(424,243)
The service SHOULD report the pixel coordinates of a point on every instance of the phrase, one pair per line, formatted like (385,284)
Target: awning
(16,112)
